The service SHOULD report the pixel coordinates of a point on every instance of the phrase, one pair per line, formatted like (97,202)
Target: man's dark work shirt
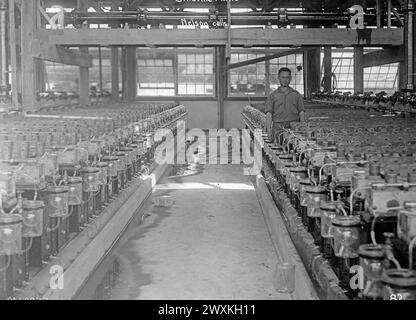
(285,107)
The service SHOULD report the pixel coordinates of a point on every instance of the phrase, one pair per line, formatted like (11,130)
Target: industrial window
(61,77)
(295,63)
(376,79)
(247,80)
(381,78)
(196,74)
(155,77)
(343,68)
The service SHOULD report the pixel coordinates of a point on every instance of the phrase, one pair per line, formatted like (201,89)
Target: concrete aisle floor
(212,243)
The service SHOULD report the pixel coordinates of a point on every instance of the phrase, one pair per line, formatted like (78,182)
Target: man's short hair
(284,69)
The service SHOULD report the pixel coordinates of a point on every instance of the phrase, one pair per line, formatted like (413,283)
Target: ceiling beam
(384,56)
(283,53)
(134,4)
(214,37)
(59,54)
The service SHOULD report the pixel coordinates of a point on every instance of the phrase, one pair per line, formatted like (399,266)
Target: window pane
(199,58)
(234,57)
(200,69)
(209,58)
(191,69)
(182,89)
(190,89)
(190,58)
(199,89)
(181,58)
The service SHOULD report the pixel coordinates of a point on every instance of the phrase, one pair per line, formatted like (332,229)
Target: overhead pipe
(154,18)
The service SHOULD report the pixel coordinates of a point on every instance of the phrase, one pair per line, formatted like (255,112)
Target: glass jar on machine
(406,222)
(346,230)
(32,215)
(399,284)
(10,234)
(372,263)
(56,204)
(74,191)
(90,179)
(329,211)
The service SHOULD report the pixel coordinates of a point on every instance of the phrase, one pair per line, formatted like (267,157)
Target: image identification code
(218,309)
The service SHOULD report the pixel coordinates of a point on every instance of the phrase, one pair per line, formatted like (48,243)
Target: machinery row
(399,102)
(49,98)
(351,176)
(58,170)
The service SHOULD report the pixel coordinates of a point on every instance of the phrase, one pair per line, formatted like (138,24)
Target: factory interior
(207,150)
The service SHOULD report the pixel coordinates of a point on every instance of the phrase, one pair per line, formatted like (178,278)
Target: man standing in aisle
(283,106)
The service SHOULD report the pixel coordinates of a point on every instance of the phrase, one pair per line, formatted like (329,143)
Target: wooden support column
(123,73)
(115,74)
(84,72)
(221,83)
(327,68)
(84,83)
(388,13)
(28,28)
(115,64)
(379,13)
(129,80)
(312,71)
(13,55)
(413,33)
(358,70)
(267,79)
(40,75)
(402,76)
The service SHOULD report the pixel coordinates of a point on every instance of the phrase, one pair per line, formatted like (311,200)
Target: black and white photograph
(207,158)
